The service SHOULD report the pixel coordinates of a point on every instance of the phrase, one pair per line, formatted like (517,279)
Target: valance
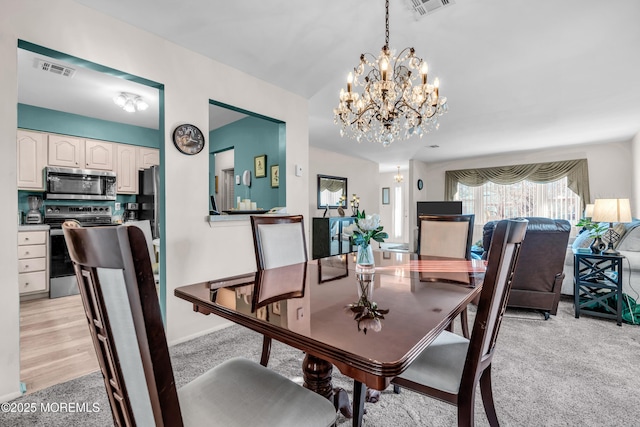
(576,171)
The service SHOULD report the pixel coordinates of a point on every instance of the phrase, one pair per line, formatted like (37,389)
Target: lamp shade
(588,211)
(611,210)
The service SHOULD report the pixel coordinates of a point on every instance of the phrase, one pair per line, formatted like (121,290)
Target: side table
(597,277)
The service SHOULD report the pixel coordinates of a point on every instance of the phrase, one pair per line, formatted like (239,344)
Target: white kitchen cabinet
(126,169)
(148,157)
(98,155)
(32,158)
(66,151)
(33,270)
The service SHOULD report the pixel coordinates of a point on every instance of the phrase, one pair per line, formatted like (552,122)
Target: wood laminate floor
(55,343)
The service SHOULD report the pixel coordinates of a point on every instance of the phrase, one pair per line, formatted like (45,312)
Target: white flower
(371,222)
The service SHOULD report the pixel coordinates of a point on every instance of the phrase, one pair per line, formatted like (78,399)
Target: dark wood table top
(297,306)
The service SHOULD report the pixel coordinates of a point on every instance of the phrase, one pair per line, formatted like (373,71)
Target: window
(492,201)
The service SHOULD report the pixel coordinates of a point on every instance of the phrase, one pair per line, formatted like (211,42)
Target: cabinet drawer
(32,237)
(32,282)
(34,264)
(32,251)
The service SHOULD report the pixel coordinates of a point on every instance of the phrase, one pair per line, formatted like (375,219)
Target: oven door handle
(56,232)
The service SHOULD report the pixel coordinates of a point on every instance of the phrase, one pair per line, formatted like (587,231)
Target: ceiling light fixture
(130,102)
(398,178)
(396,102)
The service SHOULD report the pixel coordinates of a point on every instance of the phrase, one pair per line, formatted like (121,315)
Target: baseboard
(201,333)
(10,396)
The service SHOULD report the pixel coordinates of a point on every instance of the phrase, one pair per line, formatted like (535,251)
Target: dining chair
(452,366)
(115,279)
(447,236)
(278,241)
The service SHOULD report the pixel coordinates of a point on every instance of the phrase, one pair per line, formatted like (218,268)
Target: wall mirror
(330,191)
(236,138)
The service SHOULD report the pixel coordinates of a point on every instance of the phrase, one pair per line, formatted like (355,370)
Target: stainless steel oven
(62,280)
(80,184)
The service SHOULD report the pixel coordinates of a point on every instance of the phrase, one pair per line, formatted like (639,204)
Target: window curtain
(576,171)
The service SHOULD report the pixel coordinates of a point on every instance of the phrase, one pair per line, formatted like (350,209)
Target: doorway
(66,107)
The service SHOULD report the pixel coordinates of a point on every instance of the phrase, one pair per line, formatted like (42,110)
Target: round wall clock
(420,184)
(188,139)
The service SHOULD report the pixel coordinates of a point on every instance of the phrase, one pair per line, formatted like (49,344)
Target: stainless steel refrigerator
(149,182)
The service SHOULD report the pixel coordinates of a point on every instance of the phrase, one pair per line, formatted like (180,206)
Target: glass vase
(365,272)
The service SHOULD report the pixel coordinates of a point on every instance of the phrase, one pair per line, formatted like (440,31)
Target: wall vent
(425,7)
(50,67)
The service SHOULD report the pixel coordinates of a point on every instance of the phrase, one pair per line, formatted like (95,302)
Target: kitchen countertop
(33,227)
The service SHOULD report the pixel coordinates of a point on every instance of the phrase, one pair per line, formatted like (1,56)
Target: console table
(597,277)
(328,237)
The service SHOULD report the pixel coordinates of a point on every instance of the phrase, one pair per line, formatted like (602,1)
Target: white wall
(610,168)
(194,251)
(635,183)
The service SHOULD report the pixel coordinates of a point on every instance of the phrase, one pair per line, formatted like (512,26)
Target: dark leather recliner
(539,272)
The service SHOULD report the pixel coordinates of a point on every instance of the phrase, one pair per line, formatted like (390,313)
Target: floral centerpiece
(362,231)
(595,230)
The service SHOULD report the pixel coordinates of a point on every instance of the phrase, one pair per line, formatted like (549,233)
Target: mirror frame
(345,192)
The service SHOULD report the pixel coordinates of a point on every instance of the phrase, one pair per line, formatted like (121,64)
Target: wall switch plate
(237,179)
(298,170)
(118,206)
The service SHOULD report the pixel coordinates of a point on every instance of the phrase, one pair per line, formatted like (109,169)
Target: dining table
(310,306)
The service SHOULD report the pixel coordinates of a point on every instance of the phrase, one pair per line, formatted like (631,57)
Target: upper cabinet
(36,150)
(126,169)
(66,151)
(70,152)
(98,155)
(32,158)
(148,157)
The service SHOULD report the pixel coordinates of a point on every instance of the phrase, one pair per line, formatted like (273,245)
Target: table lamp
(588,211)
(611,210)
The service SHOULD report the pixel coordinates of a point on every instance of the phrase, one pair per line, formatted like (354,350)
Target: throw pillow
(631,242)
(583,240)
(618,228)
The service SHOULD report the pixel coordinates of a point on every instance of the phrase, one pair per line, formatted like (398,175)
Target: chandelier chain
(386,33)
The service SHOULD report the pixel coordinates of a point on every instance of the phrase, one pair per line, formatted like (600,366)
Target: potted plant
(595,230)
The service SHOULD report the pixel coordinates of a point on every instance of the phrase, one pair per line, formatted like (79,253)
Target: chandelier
(396,101)
(130,102)
(398,178)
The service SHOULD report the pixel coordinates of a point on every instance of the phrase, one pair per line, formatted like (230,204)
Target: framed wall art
(275,176)
(385,195)
(260,166)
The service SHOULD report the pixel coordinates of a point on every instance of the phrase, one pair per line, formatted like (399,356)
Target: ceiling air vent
(425,7)
(50,67)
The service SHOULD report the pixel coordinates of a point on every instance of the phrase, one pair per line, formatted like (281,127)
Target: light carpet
(560,372)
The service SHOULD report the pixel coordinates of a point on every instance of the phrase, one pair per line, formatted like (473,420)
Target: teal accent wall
(251,137)
(45,120)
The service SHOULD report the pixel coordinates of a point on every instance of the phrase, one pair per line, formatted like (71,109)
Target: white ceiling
(518,74)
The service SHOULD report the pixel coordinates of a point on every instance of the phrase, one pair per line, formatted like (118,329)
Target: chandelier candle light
(396,102)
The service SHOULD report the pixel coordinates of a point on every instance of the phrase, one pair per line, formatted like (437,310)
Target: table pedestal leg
(317,378)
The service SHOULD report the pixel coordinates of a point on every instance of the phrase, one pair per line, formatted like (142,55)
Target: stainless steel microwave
(79,184)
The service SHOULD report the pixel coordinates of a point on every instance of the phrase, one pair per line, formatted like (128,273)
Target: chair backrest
(445,235)
(501,262)
(118,292)
(145,226)
(278,240)
(278,284)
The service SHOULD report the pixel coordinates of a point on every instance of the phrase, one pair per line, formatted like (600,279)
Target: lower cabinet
(33,272)
(329,238)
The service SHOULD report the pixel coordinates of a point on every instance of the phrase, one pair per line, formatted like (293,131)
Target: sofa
(628,245)
(539,274)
